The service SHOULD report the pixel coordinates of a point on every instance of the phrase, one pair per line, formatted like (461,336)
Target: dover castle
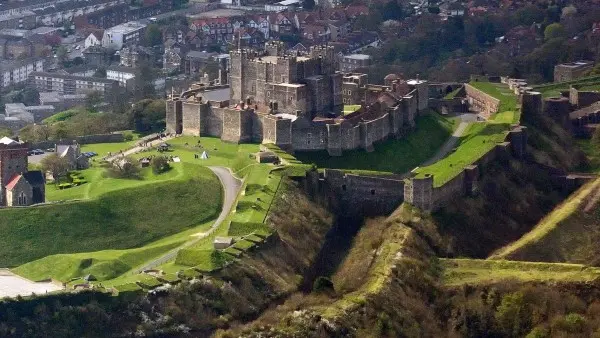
(296,102)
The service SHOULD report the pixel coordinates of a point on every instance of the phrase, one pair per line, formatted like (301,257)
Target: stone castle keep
(296,102)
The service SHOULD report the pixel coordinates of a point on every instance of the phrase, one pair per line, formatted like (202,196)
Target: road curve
(231,188)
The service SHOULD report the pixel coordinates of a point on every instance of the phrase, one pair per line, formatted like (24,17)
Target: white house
(121,74)
(94,39)
(121,35)
(13,72)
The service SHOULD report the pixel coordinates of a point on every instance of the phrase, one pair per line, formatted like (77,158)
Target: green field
(121,219)
(477,271)
(477,140)
(392,156)
(508,110)
(351,108)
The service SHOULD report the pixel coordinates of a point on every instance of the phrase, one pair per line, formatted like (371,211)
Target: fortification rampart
(581,98)
(486,104)
(355,195)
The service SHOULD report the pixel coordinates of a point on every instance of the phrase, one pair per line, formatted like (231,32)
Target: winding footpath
(231,188)
(452,141)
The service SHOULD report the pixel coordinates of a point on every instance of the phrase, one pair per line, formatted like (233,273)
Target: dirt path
(449,145)
(231,187)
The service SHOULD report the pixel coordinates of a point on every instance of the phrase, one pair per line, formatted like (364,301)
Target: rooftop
(358,56)
(125,28)
(8,141)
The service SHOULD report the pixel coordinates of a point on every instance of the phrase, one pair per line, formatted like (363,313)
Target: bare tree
(57,166)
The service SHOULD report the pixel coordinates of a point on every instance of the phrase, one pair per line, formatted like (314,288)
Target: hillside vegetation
(121,219)
(570,233)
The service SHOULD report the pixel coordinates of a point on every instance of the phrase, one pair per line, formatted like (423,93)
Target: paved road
(231,187)
(452,141)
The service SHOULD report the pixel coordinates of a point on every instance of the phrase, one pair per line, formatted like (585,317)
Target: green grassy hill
(120,219)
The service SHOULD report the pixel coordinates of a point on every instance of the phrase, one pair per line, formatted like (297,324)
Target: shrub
(323,284)
(128,136)
(160,164)
(123,168)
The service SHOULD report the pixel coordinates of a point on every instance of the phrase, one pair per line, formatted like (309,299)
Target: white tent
(204,155)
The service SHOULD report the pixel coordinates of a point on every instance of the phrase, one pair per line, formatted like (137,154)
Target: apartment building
(129,33)
(72,84)
(14,72)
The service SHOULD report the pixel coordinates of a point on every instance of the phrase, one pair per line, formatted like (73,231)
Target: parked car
(37,151)
(50,150)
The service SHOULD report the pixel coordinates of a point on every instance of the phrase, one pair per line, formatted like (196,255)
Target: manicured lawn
(102,149)
(120,219)
(392,156)
(508,111)
(234,156)
(471,271)
(478,139)
(554,89)
(351,108)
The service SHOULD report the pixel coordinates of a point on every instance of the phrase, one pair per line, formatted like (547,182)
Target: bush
(123,168)
(323,284)
(160,164)
(128,136)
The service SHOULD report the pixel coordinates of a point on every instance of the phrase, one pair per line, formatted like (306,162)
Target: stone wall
(356,195)
(581,99)
(422,193)
(87,139)
(482,102)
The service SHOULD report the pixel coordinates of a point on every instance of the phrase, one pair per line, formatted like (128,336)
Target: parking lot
(12,285)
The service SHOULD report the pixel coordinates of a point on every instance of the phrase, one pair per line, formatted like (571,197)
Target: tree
(152,35)
(554,31)
(62,53)
(392,11)
(35,133)
(160,164)
(100,72)
(144,81)
(308,5)
(54,164)
(123,167)
(148,114)
(513,315)
(52,40)
(92,100)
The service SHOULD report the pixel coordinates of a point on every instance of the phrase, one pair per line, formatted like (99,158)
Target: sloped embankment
(513,196)
(570,233)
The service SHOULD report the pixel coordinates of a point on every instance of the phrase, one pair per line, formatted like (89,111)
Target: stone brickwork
(580,99)
(481,102)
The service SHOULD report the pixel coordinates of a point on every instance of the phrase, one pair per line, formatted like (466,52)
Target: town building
(124,75)
(133,55)
(18,185)
(14,72)
(96,56)
(352,62)
(72,153)
(129,33)
(572,70)
(61,102)
(22,20)
(94,39)
(29,114)
(71,84)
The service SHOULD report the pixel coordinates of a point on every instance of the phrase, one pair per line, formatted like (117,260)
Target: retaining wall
(486,104)
(87,139)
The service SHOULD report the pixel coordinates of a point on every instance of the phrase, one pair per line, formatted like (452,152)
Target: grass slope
(549,223)
(394,156)
(476,141)
(554,89)
(121,219)
(474,271)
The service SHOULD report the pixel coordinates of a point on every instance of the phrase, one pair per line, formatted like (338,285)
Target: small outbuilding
(222,242)
(163,146)
(145,162)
